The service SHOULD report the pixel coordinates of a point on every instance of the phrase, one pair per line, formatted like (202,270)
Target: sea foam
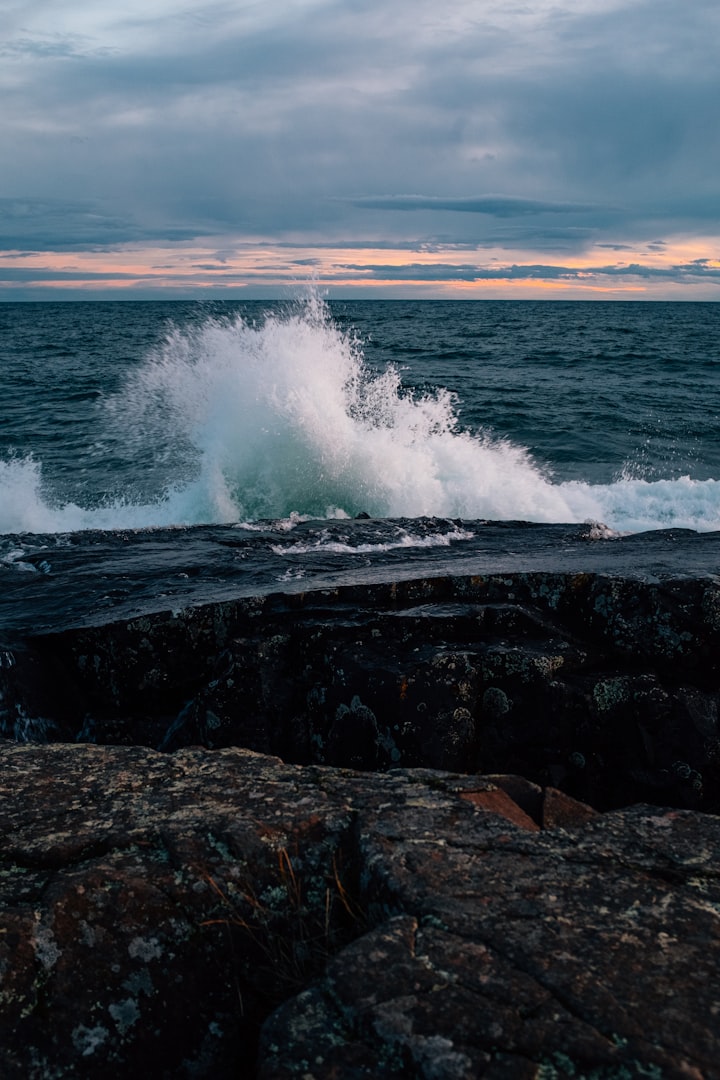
(242,421)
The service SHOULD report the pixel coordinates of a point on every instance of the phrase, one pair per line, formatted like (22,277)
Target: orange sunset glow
(683,269)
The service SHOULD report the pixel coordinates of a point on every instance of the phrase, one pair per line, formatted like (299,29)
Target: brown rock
(528,796)
(498,802)
(156,909)
(560,811)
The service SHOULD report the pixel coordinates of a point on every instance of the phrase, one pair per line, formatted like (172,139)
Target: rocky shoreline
(223,914)
(454,826)
(603,686)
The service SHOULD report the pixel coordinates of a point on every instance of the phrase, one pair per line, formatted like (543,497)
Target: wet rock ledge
(224,914)
(604,686)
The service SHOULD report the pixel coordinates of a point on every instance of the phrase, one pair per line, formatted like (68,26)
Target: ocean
(134,415)
(281,422)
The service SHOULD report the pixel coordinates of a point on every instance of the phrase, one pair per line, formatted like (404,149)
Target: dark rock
(604,687)
(167,914)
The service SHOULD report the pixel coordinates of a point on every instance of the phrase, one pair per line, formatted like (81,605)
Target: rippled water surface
(130,415)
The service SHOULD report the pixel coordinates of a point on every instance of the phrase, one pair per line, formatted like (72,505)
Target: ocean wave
(285,420)
(404,541)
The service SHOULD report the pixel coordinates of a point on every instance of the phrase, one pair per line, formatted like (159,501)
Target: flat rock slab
(223,914)
(55,581)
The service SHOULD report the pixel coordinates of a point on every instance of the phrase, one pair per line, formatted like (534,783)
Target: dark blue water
(596,390)
(134,415)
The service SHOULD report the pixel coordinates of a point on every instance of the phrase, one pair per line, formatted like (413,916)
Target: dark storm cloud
(63,225)
(11,275)
(551,127)
(699,269)
(494,205)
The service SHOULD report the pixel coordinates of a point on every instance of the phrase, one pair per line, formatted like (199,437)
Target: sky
(554,149)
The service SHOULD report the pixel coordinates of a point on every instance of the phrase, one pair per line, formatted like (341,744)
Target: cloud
(65,225)
(699,269)
(552,127)
(493,205)
(12,274)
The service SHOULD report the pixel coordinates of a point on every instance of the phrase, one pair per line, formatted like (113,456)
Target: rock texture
(223,914)
(606,687)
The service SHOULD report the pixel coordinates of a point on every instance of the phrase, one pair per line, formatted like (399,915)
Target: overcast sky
(470,148)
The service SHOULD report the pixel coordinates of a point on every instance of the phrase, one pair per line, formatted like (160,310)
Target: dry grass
(289,942)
